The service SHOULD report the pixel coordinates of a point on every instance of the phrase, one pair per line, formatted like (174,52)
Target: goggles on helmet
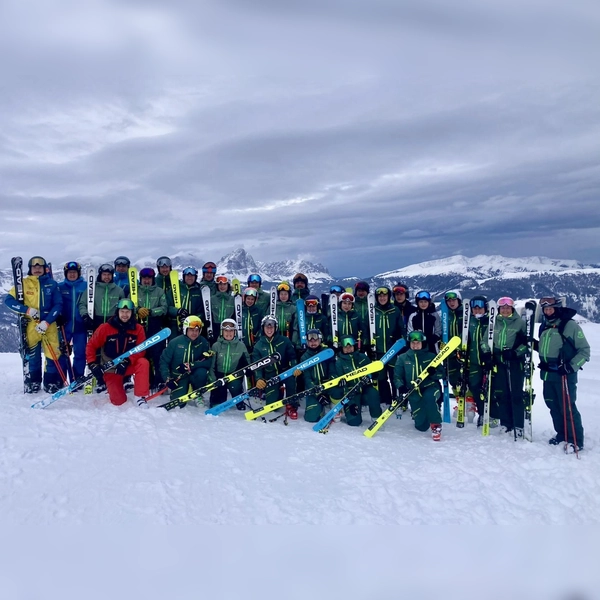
(254,277)
(336,289)
(193,323)
(37,261)
(164,261)
(382,290)
(546,302)
(229,326)
(346,297)
(125,303)
(477,303)
(506,301)
(209,267)
(423,296)
(314,334)
(250,292)
(147,272)
(190,271)
(416,336)
(451,296)
(122,260)
(222,279)
(106,268)
(400,289)
(72,266)
(284,287)
(348,341)
(311,302)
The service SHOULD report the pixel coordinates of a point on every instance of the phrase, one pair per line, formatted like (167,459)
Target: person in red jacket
(119,334)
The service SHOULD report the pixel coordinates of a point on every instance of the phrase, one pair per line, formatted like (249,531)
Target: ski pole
(55,360)
(568,397)
(68,353)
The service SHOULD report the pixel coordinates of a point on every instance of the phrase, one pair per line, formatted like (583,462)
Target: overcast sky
(364,135)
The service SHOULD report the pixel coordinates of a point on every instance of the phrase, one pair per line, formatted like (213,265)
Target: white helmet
(229,324)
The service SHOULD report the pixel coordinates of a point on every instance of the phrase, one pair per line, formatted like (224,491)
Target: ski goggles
(147,272)
(164,261)
(336,289)
(382,290)
(254,278)
(416,336)
(451,296)
(122,260)
(209,268)
(106,268)
(423,296)
(313,335)
(400,289)
(549,302)
(311,302)
(194,324)
(477,303)
(348,341)
(72,266)
(506,301)
(37,261)
(190,271)
(346,297)
(222,279)
(284,287)
(250,292)
(125,303)
(228,326)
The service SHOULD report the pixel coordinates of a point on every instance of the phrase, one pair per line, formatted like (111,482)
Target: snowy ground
(84,461)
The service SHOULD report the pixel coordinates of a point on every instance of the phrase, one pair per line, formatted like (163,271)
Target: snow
(83,461)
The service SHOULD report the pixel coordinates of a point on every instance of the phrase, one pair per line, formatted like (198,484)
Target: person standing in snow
(426,319)
(402,303)
(209,272)
(314,376)
(563,350)
(300,283)
(263,300)
(121,276)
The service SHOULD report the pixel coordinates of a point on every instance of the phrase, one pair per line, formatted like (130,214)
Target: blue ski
(220,408)
(301,321)
(445,312)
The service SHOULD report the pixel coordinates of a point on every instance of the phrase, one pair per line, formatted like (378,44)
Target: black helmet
(122,260)
(106,268)
(72,266)
(362,285)
(478,301)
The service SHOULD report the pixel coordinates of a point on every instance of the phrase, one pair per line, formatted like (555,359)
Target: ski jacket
(389,327)
(191,300)
(265,347)
(113,338)
(152,297)
(428,321)
(211,285)
(228,356)
(299,294)
(250,325)
(263,302)
(350,323)
(454,321)
(285,313)
(406,310)
(71,292)
(162,282)
(410,364)
(361,306)
(222,306)
(477,343)
(122,280)
(320,372)
(562,341)
(38,292)
(106,298)
(183,350)
(313,321)
(344,363)
(509,334)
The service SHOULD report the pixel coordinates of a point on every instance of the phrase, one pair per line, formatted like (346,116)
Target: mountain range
(493,276)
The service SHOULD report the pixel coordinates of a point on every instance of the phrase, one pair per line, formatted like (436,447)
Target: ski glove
(34,313)
(41,327)
(143,313)
(261,384)
(61,320)
(486,360)
(122,367)
(172,384)
(508,354)
(88,322)
(402,390)
(565,369)
(354,410)
(323,400)
(96,370)
(297,373)
(431,371)
(182,313)
(182,369)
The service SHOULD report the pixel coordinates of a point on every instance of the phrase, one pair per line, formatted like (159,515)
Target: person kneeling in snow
(423,400)
(121,333)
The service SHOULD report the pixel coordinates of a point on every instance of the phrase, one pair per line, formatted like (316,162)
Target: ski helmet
(37,261)
(125,303)
(284,286)
(400,288)
(336,289)
(347,297)
(453,295)
(228,324)
(221,279)
(417,336)
(550,303)
(362,285)
(423,295)
(254,277)
(193,322)
(382,290)
(478,302)
(164,261)
(348,341)
(190,271)
(148,272)
(300,277)
(122,260)
(311,301)
(313,334)
(209,267)
(268,320)
(506,301)
(72,266)
(250,292)
(106,268)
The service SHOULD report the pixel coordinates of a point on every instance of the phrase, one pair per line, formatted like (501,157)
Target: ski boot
(470,409)
(291,412)
(141,402)
(556,440)
(436,432)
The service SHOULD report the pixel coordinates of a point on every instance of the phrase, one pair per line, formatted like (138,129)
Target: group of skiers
(205,347)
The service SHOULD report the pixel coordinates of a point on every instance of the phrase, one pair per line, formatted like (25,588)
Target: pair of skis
(446,351)
(17,270)
(322,356)
(528,394)
(161,335)
(259,364)
(464,366)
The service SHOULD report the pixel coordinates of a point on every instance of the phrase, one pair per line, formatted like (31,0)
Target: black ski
(17,269)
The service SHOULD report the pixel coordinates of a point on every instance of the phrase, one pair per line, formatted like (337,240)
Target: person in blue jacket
(42,305)
(121,277)
(72,330)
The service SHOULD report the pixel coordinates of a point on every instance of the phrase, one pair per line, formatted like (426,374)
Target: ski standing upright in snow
(445,313)
(273,302)
(17,270)
(372,321)
(301,315)
(492,313)
(333,315)
(206,302)
(528,367)
(464,364)
(91,294)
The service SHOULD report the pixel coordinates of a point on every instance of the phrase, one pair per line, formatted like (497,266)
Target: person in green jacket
(315,319)
(269,342)
(263,299)
(164,266)
(563,350)
(186,362)
(349,322)
(209,273)
(453,301)
(190,295)
(222,302)
(423,400)
(250,318)
(106,297)
(300,283)
(389,328)
(229,355)
(361,300)
(507,377)
(151,310)
(348,360)
(314,376)
(285,310)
